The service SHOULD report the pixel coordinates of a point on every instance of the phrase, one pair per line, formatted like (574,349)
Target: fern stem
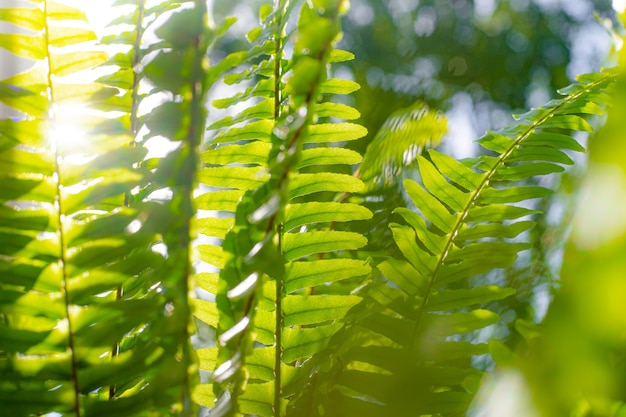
(278,344)
(277,59)
(139,30)
(61,217)
(194,137)
(286,137)
(278,355)
(134,130)
(64,288)
(292,141)
(482,186)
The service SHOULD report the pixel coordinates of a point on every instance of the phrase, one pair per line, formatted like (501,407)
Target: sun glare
(66,135)
(99,13)
(71,142)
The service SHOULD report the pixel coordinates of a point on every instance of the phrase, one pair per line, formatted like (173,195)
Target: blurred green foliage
(506,55)
(577,366)
(432,49)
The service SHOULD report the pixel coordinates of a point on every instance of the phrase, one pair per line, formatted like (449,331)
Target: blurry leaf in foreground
(401,138)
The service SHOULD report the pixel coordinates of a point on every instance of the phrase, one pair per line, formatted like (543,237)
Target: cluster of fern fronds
(327,293)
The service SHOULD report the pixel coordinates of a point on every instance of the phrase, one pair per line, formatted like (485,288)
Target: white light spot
(227,369)
(162,194)
(133,227)
(65,136)
(62,325)
(459,142)
(484,8)
(244,287)
(168,310)
(234,331)
(160,248)
(426,21)
(403,6)
(104,294)
(504,394)
(361,13)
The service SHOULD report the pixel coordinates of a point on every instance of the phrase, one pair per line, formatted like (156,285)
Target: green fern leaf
(297,215)
(303,275)
(298,245)
(27,18)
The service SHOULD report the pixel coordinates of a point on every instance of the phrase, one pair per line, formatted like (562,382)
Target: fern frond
(48,345)
(466,223)
(246,187)
(81,250)
(402,137)
(390,157)
(266,268)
